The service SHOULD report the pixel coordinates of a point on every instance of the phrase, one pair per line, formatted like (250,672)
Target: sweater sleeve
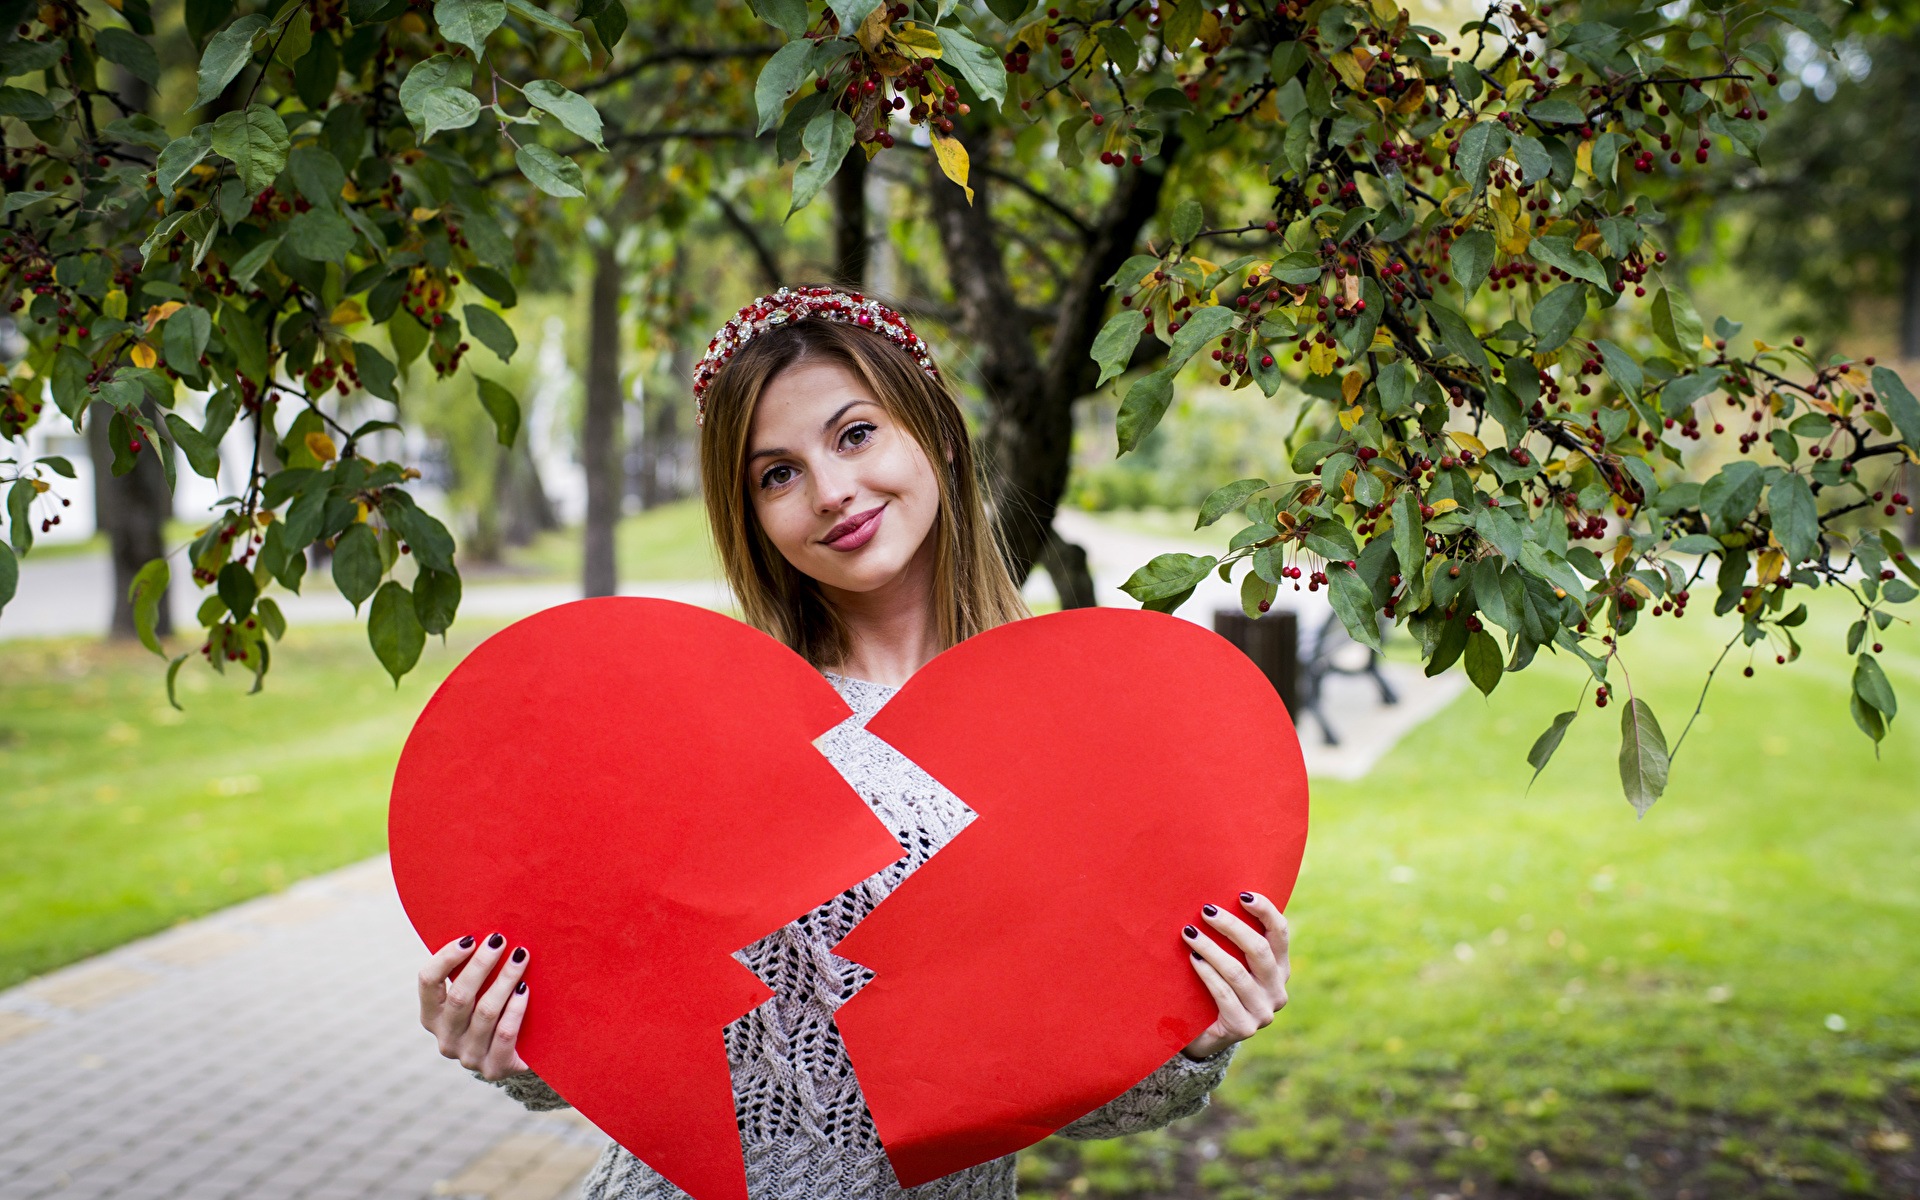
(1178,1089)
(531,1090)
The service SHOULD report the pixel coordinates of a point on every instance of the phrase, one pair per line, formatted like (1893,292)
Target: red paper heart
(628,787)
(1126,767)
(597,782)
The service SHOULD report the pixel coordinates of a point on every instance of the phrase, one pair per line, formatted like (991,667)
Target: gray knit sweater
(804,1128)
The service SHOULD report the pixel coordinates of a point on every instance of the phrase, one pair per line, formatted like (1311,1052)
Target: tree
(1453,249)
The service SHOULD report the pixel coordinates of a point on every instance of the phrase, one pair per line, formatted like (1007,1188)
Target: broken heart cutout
(629,787)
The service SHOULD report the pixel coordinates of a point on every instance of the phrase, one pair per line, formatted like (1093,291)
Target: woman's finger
(1252,942)
(1252,994)
(1269,915)
(1235,1021)
(477,1041)
(464,990)
(503,1056)
(433,976)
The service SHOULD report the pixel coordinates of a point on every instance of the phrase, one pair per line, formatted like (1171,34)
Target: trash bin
(1272,642)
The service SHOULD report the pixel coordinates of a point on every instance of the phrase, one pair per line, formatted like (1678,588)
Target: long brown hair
(971,586)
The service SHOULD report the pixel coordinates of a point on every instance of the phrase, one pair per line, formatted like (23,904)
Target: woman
(841,491)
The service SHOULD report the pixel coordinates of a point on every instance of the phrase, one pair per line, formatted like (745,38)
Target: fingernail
(1210,910)
(1196,957)
(1190,931)
(520,988)
(466,943)
(1246,897)
(495,942)
(520,954)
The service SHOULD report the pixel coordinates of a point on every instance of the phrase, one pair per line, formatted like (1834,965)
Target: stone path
(269,1052)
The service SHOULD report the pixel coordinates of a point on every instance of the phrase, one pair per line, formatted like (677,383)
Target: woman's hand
(478,1028)
(1248,995)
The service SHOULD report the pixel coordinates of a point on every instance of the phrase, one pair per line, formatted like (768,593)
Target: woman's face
(841,488)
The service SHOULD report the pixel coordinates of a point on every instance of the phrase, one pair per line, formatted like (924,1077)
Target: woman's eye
(859,435)
(776,476)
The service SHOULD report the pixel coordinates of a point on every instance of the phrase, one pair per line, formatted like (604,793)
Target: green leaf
(20,498)
(1622,367)
(1796,519)
(494,333)
(202,455)
(1483,142)
(1459,337)
(1168,575)
(256,142)
(1555,111)
(1535,163)
(394,630)
(1483,662)
(436,598)
(1547,743)
(502,407)
(1643,756)
(1225,499)
(495,286)
(432,545)
(24,104)
(1471,257)
(1867,718)
(779,79)
(1409,537)
(1201,327)
(9,575)
(852,13)
(1145,404)
(442,70)
(376,373)
(1558,314)
(145,593)
(443,108)
(978,65)
(550,172)
(21,57)
(225,56)
(1870,684)
(1560,252)
(237,590)
(181,155)
(1187,219)
(827,139)
(1114,347)
(1352,602)
(356,563)
(321,235)
(251,262)
(533,14)
(183,338)
(131,51)
(1120,47)
(469,22)
(571,109)
(1676,323)
(1900,405)
(609,18)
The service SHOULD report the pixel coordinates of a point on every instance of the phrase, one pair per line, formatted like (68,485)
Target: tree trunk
(132,510)
(1028,437)
(600,446)
(1910,285)
(850,245)
(1066,565)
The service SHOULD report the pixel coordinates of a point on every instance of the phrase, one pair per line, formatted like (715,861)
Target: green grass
(1497,993)
(665,543)
(120,815)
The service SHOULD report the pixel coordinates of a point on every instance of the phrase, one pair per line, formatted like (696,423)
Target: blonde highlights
(972,589)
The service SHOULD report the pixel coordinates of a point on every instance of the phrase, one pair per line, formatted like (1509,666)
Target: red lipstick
(856,531)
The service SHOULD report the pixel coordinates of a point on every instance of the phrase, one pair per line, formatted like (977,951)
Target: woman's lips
(856,531)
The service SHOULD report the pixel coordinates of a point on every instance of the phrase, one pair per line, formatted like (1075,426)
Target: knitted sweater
(804,1129)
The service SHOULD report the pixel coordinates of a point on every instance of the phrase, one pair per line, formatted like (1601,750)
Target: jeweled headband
(791,304)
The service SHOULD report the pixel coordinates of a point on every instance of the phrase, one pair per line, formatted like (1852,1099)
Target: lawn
(1498,992)
(664,543)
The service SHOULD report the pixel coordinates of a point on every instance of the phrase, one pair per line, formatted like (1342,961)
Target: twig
(1673,753)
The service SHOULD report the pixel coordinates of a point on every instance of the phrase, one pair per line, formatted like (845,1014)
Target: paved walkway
(269,1052)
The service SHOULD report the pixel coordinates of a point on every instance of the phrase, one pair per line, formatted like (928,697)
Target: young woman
(842,495)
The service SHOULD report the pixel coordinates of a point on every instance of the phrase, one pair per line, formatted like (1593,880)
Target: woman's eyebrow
(831,421)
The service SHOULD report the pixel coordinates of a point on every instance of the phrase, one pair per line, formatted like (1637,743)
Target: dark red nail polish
(495,942)
(1196,957)
(1210,910)
(520,987)
(1246,897)
(466,943)
(519,954)
(1190,931)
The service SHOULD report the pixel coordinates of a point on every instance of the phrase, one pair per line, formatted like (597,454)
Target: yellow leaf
(1349,70)
(1350,417)
(924,43)
(116,305)
(1621,549)
(1364,57)
(1350,388)
(116,5)
(321,446)
(1346,486)
(1411,100)
(203,170)
(1522,236)
(1468,441)
(1447,505)
(263,518)
(1587,241)
(1583,157)
(422,215)
(41,485)
(347,312)
(1209,27)
(1518,89)
(1772,562)
(1382,340)
(1761,346)
(161,312)
(348,192)
(143,355)
(1645,592)
(360,506)
(953,161)
(411,23)
(1854,378)
(1320,359)
(874,28)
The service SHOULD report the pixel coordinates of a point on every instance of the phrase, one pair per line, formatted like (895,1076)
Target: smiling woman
(823,494)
